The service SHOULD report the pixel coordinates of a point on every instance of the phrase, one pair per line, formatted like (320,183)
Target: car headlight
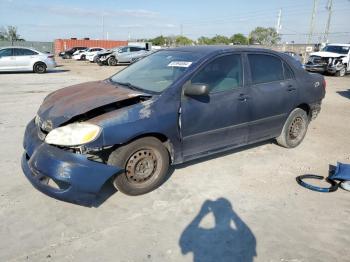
(73,134)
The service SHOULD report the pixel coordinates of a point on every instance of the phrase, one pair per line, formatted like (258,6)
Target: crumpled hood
(64,104)
(326,54)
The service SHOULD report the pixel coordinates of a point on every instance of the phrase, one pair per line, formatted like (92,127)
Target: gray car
(122,55)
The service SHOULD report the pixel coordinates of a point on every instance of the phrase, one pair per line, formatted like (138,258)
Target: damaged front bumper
(76,178)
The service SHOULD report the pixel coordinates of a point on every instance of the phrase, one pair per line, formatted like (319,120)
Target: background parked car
(122,55)
(25,59)
(69,53)
(83,54)
(91,55)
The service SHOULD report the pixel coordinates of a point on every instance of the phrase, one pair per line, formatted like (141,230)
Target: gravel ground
(240,206)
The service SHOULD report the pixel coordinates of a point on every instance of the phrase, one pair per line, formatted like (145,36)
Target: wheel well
(162,138)
(38,62)
(306,108)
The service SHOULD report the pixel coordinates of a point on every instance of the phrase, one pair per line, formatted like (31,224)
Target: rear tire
(294,129)
(112,61)
(39,68)
(146,164)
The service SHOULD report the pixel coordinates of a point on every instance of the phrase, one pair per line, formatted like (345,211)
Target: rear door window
(23,52)
(265,68)
(222,74)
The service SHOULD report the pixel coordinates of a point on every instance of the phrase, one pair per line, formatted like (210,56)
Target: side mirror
(196,90)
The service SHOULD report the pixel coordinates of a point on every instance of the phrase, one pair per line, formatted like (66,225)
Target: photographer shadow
(229,240)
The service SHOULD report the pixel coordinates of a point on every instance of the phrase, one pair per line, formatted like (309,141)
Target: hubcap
(296,128)
(141,166)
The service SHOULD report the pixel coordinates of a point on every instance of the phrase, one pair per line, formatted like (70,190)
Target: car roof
(25,47)
(339,44)
(209,49)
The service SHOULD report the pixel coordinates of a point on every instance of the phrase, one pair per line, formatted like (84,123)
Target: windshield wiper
(129,85)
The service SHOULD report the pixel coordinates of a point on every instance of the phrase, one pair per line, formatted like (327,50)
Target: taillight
(324,83)
(51,56)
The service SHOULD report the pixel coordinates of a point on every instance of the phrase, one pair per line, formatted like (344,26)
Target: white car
(84,54)
(333,59)
(92,56)
(25,59)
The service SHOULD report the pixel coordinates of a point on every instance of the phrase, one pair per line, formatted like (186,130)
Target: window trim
(284,63)
(269,54)
(12,51)
(217,57)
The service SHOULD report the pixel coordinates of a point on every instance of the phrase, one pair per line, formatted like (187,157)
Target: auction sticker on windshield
(180,64)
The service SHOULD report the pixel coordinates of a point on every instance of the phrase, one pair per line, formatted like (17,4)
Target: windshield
(156,72)
(337,49)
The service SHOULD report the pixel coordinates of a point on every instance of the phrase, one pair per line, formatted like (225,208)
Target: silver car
(122,55)
(25,59)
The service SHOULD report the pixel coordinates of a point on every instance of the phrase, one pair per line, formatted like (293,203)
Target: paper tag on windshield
(180,64)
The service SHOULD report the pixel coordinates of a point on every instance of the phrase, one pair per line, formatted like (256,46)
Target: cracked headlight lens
(73,134)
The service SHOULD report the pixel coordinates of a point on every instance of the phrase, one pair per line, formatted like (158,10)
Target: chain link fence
(40,46)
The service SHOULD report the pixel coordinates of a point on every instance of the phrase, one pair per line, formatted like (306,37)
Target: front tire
(294,129)
(83,57)
(146,164)
(341,72)
(112,61)
(39,68)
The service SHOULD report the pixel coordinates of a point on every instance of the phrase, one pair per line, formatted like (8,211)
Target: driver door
(219,119)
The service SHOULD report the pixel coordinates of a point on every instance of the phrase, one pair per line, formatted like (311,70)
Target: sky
(135,19)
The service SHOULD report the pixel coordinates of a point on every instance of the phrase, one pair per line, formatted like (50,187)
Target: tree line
(260,35)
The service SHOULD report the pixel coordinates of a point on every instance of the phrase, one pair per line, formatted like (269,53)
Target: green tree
(2,33)
(239,39)
(204,40)
(264,36)
(159,40)
(220,39)
(183,40)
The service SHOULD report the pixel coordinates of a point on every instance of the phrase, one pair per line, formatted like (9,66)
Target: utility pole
(329,7)
(312,23)
(279,25)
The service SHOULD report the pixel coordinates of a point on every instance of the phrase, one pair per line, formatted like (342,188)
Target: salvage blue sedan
(170,107)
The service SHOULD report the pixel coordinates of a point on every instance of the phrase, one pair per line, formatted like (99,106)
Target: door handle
(243,97)
(291,88)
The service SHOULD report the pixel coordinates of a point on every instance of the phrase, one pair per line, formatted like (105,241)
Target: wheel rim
(113,61)
(297,129)
(40,68)
(143,166)
(342,72)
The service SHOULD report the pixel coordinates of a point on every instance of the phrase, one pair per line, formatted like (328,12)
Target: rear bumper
(50,64)
(78,179)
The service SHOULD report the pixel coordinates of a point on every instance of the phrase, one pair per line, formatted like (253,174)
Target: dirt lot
(241,206)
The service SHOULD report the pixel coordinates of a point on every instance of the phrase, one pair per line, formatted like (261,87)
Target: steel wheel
(296,129)
(145,162)
(142,166)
